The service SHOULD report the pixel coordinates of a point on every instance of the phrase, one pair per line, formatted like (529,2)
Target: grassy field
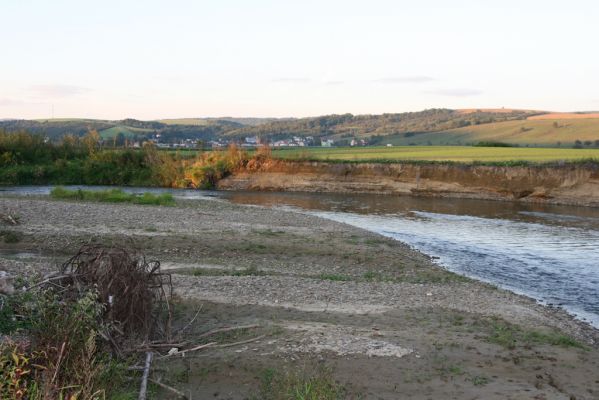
(125,130)
(185,121)
(532,132)
(439,153)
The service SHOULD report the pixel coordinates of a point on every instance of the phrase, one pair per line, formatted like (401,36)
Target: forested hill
(372,126)
(338,127)
(134,129)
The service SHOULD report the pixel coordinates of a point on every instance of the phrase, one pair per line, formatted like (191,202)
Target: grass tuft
(113,196)
(299,385)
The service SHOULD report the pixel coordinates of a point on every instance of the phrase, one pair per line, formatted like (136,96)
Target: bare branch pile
(135,292)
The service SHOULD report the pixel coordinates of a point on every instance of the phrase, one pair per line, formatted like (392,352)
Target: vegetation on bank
(113,196)
(27,159)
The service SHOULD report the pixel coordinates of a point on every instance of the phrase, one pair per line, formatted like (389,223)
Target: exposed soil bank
(566,185)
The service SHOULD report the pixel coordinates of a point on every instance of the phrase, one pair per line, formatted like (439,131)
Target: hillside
(207,121)
(130,128)
(532,132)
(428,127)
(344,127)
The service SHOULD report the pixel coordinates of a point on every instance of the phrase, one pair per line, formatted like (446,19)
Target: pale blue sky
(183,58)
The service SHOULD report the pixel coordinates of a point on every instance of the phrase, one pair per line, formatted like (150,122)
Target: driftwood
(172,389)
(144,380)
(190,322)
(9,219)
(180,353)
(222,346)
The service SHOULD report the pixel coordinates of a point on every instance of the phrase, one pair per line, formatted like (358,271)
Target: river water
(550,253)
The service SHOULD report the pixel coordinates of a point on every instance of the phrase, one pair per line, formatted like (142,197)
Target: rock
(6,283)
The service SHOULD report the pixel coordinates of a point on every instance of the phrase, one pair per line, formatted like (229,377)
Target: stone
(6,283)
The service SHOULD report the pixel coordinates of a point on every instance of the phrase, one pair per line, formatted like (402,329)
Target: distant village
(249,142)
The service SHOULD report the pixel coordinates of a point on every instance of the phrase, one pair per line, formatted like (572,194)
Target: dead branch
(227,329)
(172,389)
(9,219)
(144,380)
(222,346)
(136,293)
(190,322)
(180,353)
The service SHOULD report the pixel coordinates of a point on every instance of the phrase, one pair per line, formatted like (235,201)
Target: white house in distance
(326,142)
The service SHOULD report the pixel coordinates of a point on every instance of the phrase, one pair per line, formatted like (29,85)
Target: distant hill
(130,128)
(240,121)
(428,127)
(344,127)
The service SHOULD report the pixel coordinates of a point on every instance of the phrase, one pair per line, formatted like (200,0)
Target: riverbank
(569,184)
(385,318)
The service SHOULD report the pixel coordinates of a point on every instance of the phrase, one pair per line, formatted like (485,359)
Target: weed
(479,380)
(335,277)
(299,385)
(249,271)
(10,237)
(373,276)
(268,232)
(511,336)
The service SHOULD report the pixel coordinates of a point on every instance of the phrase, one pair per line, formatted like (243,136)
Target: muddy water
(550,253)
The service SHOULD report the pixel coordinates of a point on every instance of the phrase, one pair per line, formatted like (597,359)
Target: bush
(10,237)
(493,144)
(62,359)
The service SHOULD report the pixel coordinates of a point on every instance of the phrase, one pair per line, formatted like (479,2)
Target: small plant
(335,277)
(10,237)
(299,385)
(480,380)
(511,336)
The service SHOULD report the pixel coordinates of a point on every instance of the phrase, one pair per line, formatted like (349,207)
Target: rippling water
(549,253)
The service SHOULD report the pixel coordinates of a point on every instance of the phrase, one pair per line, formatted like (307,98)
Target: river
(550,253)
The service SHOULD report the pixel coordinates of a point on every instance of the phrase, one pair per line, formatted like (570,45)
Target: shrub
(493,144)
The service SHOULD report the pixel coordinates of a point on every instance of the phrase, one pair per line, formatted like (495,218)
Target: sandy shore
(386,319)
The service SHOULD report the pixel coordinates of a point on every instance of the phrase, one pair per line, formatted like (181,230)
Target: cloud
(57,90)
(291,80)
(406,79)
(333,83)
(457,92)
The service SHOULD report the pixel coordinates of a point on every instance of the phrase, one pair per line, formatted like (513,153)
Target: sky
(279,58)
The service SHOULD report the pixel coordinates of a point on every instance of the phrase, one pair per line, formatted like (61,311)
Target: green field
(438,153)
(185,121)
(535,133)
(127,131)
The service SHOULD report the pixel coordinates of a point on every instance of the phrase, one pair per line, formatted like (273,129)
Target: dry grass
(565,116)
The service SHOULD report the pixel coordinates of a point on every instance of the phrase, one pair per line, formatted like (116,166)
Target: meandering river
(550,253)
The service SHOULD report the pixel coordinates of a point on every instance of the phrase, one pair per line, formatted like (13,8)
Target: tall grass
(113,196)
